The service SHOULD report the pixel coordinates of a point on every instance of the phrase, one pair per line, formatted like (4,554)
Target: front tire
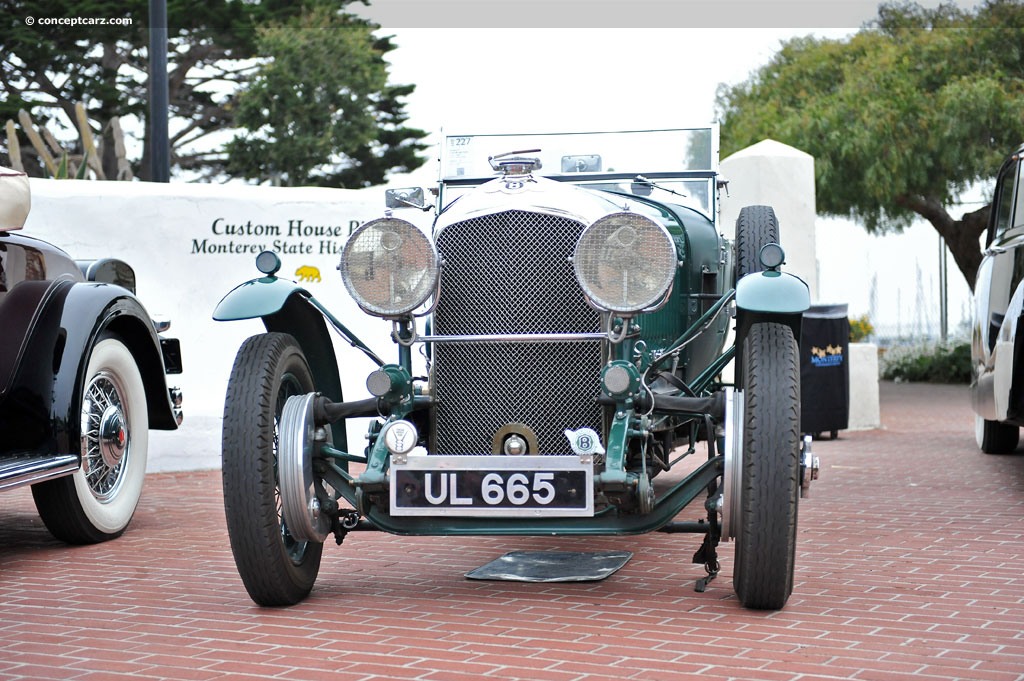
(275,568)
(98,501)
(770,477)
(994,437)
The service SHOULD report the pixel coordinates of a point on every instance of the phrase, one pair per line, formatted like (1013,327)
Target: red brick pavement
(910,566)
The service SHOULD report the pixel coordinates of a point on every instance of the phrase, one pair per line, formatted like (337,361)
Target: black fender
(20,309)
(300,318)
(41,406)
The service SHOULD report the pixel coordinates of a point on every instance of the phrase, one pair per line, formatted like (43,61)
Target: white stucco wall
(177,238)
(778,175)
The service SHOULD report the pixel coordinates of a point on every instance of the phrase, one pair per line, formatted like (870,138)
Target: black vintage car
(81,380)
(997,347)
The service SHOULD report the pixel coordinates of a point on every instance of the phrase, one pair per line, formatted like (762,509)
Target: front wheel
(275,568)
(994,437)
(770,475)
(98,501)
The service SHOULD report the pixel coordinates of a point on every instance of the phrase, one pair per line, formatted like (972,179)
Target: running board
(18,471)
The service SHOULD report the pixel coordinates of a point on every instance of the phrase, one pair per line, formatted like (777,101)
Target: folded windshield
(670,166)
(609,153)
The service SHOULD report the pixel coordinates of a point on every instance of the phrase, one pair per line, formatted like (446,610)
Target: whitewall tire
(98,501)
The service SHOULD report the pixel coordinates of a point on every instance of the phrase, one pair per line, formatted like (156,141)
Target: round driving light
(389,267)
(617,379)
(771,256)
(625,262)
(268,263)
(400,437)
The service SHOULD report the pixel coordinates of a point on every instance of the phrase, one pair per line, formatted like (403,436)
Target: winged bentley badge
(584,441)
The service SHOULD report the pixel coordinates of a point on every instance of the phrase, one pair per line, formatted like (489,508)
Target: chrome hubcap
(106,441)
(113,438)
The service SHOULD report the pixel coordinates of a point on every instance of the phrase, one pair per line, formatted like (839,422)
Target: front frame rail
(607,521)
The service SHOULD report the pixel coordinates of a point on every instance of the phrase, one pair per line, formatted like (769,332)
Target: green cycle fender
(772,292)
(286,307)
(256,298)
(770,296)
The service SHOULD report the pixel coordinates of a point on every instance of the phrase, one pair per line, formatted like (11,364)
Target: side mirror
(407,197)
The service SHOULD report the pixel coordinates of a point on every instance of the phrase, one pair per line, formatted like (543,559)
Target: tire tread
(755,227)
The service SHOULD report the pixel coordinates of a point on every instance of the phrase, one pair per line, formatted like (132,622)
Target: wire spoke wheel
(106,443)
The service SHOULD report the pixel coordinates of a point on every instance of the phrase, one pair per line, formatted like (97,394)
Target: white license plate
(493,486)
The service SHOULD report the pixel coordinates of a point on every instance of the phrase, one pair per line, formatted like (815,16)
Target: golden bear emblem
(308,273)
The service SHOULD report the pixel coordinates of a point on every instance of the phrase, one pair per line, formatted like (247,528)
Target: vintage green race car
(570,310)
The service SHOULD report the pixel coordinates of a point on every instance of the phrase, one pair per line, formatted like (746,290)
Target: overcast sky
(575,65)
(496,80)
(554,80)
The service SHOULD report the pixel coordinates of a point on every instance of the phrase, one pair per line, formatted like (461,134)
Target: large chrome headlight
(625,262)
(389,266)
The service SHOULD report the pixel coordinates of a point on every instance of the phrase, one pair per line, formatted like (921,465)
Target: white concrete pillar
(865,412)
(778,175)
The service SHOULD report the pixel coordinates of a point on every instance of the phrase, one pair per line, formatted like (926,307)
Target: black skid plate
(552,566)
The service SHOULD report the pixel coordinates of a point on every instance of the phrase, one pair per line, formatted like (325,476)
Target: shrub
(931,362)
(860,328)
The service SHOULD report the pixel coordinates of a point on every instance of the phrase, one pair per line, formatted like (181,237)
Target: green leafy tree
(319,110)
(45,69)
(901,118)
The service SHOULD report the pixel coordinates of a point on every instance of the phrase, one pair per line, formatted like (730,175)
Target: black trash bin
(825,370)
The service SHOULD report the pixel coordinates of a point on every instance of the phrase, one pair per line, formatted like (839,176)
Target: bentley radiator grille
(510,273)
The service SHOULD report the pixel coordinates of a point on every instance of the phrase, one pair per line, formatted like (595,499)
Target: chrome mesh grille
(510,273)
